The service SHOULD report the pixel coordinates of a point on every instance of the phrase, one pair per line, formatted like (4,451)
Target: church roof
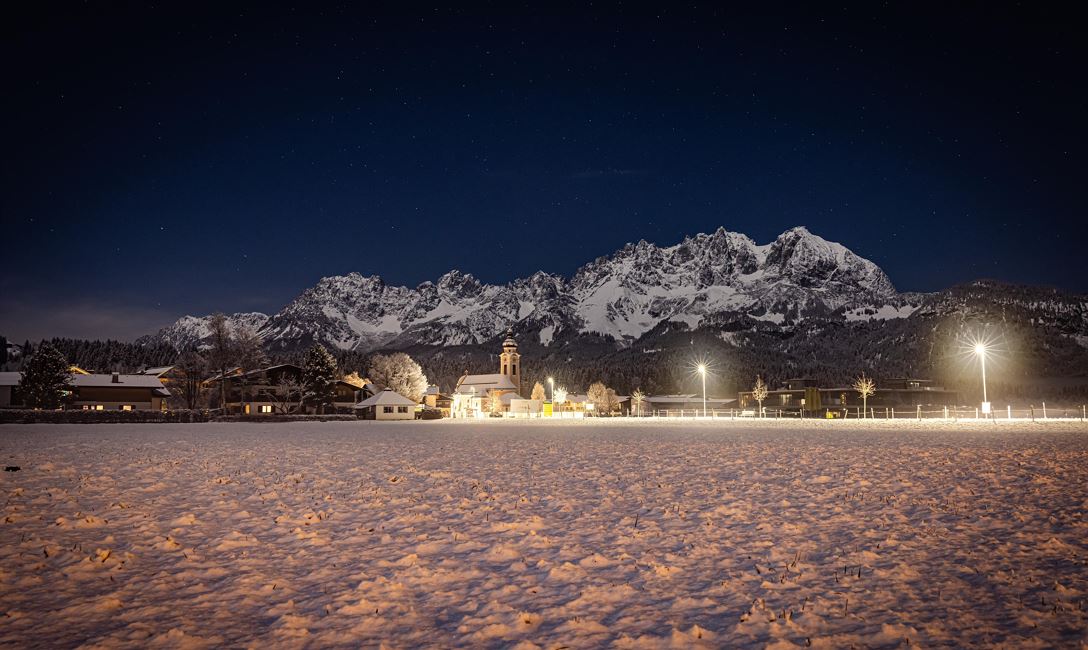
(484,383)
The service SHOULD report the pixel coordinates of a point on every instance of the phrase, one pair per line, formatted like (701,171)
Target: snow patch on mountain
(882,312)
(194,331)
(623,296)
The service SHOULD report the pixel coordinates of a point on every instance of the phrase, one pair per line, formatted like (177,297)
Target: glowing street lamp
(980,350)
(702,372)
(551,386)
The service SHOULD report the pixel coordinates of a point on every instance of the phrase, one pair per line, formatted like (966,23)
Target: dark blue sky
(165,161)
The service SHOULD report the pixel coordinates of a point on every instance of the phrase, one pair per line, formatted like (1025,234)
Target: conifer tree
(46,381)
(319,378)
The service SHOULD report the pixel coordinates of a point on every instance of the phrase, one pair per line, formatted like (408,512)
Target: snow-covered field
(545,534)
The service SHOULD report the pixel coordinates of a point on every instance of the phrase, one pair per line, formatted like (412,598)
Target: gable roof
(10,378)
(386,397)
(158,372)
(123,381)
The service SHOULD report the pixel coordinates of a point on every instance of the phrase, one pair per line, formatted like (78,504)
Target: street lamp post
(702,373)
(980,350)
(551,393)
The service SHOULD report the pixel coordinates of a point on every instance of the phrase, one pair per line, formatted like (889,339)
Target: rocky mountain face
(622,296)
(193,331)
(799,305)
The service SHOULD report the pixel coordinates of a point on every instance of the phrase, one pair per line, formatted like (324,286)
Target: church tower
(510,360)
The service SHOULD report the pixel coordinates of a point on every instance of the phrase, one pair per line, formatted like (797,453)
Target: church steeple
(510,360)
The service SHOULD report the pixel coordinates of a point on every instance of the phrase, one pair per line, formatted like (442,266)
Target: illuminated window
(264,408)
(126,407)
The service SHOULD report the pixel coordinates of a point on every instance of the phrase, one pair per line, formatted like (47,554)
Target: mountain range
(797,305)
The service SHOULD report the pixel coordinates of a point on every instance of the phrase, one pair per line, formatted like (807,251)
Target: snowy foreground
(545,534)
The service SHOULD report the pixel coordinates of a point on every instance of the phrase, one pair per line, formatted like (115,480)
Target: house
(100,392)
(482,395)
(806,393)
(275,389)
(97,392)
(386,405)
(435,399)
(9,382)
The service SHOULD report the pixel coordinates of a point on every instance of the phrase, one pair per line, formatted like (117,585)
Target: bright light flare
(983,347)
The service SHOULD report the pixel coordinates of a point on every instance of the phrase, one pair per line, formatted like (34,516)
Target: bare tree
(248,355)
(599,395)
(400,373)
(354,379)
(611,401)
(191,369)
(865,386)
(288,393)
(221,353)
(538,391)
(759,393)
(637,398)
(560,397)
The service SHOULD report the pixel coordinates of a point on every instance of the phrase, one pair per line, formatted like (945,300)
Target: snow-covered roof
(123,381)
(95,380)
(386,397)
(484,383)
(158,372)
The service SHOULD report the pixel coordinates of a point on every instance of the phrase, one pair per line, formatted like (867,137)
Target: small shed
(386,405)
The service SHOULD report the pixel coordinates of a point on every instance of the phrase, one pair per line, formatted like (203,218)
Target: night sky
(160,161)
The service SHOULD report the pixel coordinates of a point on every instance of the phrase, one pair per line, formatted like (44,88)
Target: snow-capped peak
(623,295)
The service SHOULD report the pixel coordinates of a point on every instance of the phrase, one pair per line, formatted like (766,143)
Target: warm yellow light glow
(702,369)
(980,349)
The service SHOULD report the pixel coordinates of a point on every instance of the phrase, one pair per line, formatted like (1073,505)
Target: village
(399,391)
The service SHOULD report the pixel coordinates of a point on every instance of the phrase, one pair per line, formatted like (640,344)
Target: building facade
(386,405)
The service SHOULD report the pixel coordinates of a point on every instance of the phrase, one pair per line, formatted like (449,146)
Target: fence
(953,413)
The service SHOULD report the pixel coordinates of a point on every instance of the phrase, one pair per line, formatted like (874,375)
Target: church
(483,395)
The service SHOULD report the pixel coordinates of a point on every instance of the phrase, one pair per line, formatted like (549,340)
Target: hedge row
(29,416)
(79,416)
(284,418)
